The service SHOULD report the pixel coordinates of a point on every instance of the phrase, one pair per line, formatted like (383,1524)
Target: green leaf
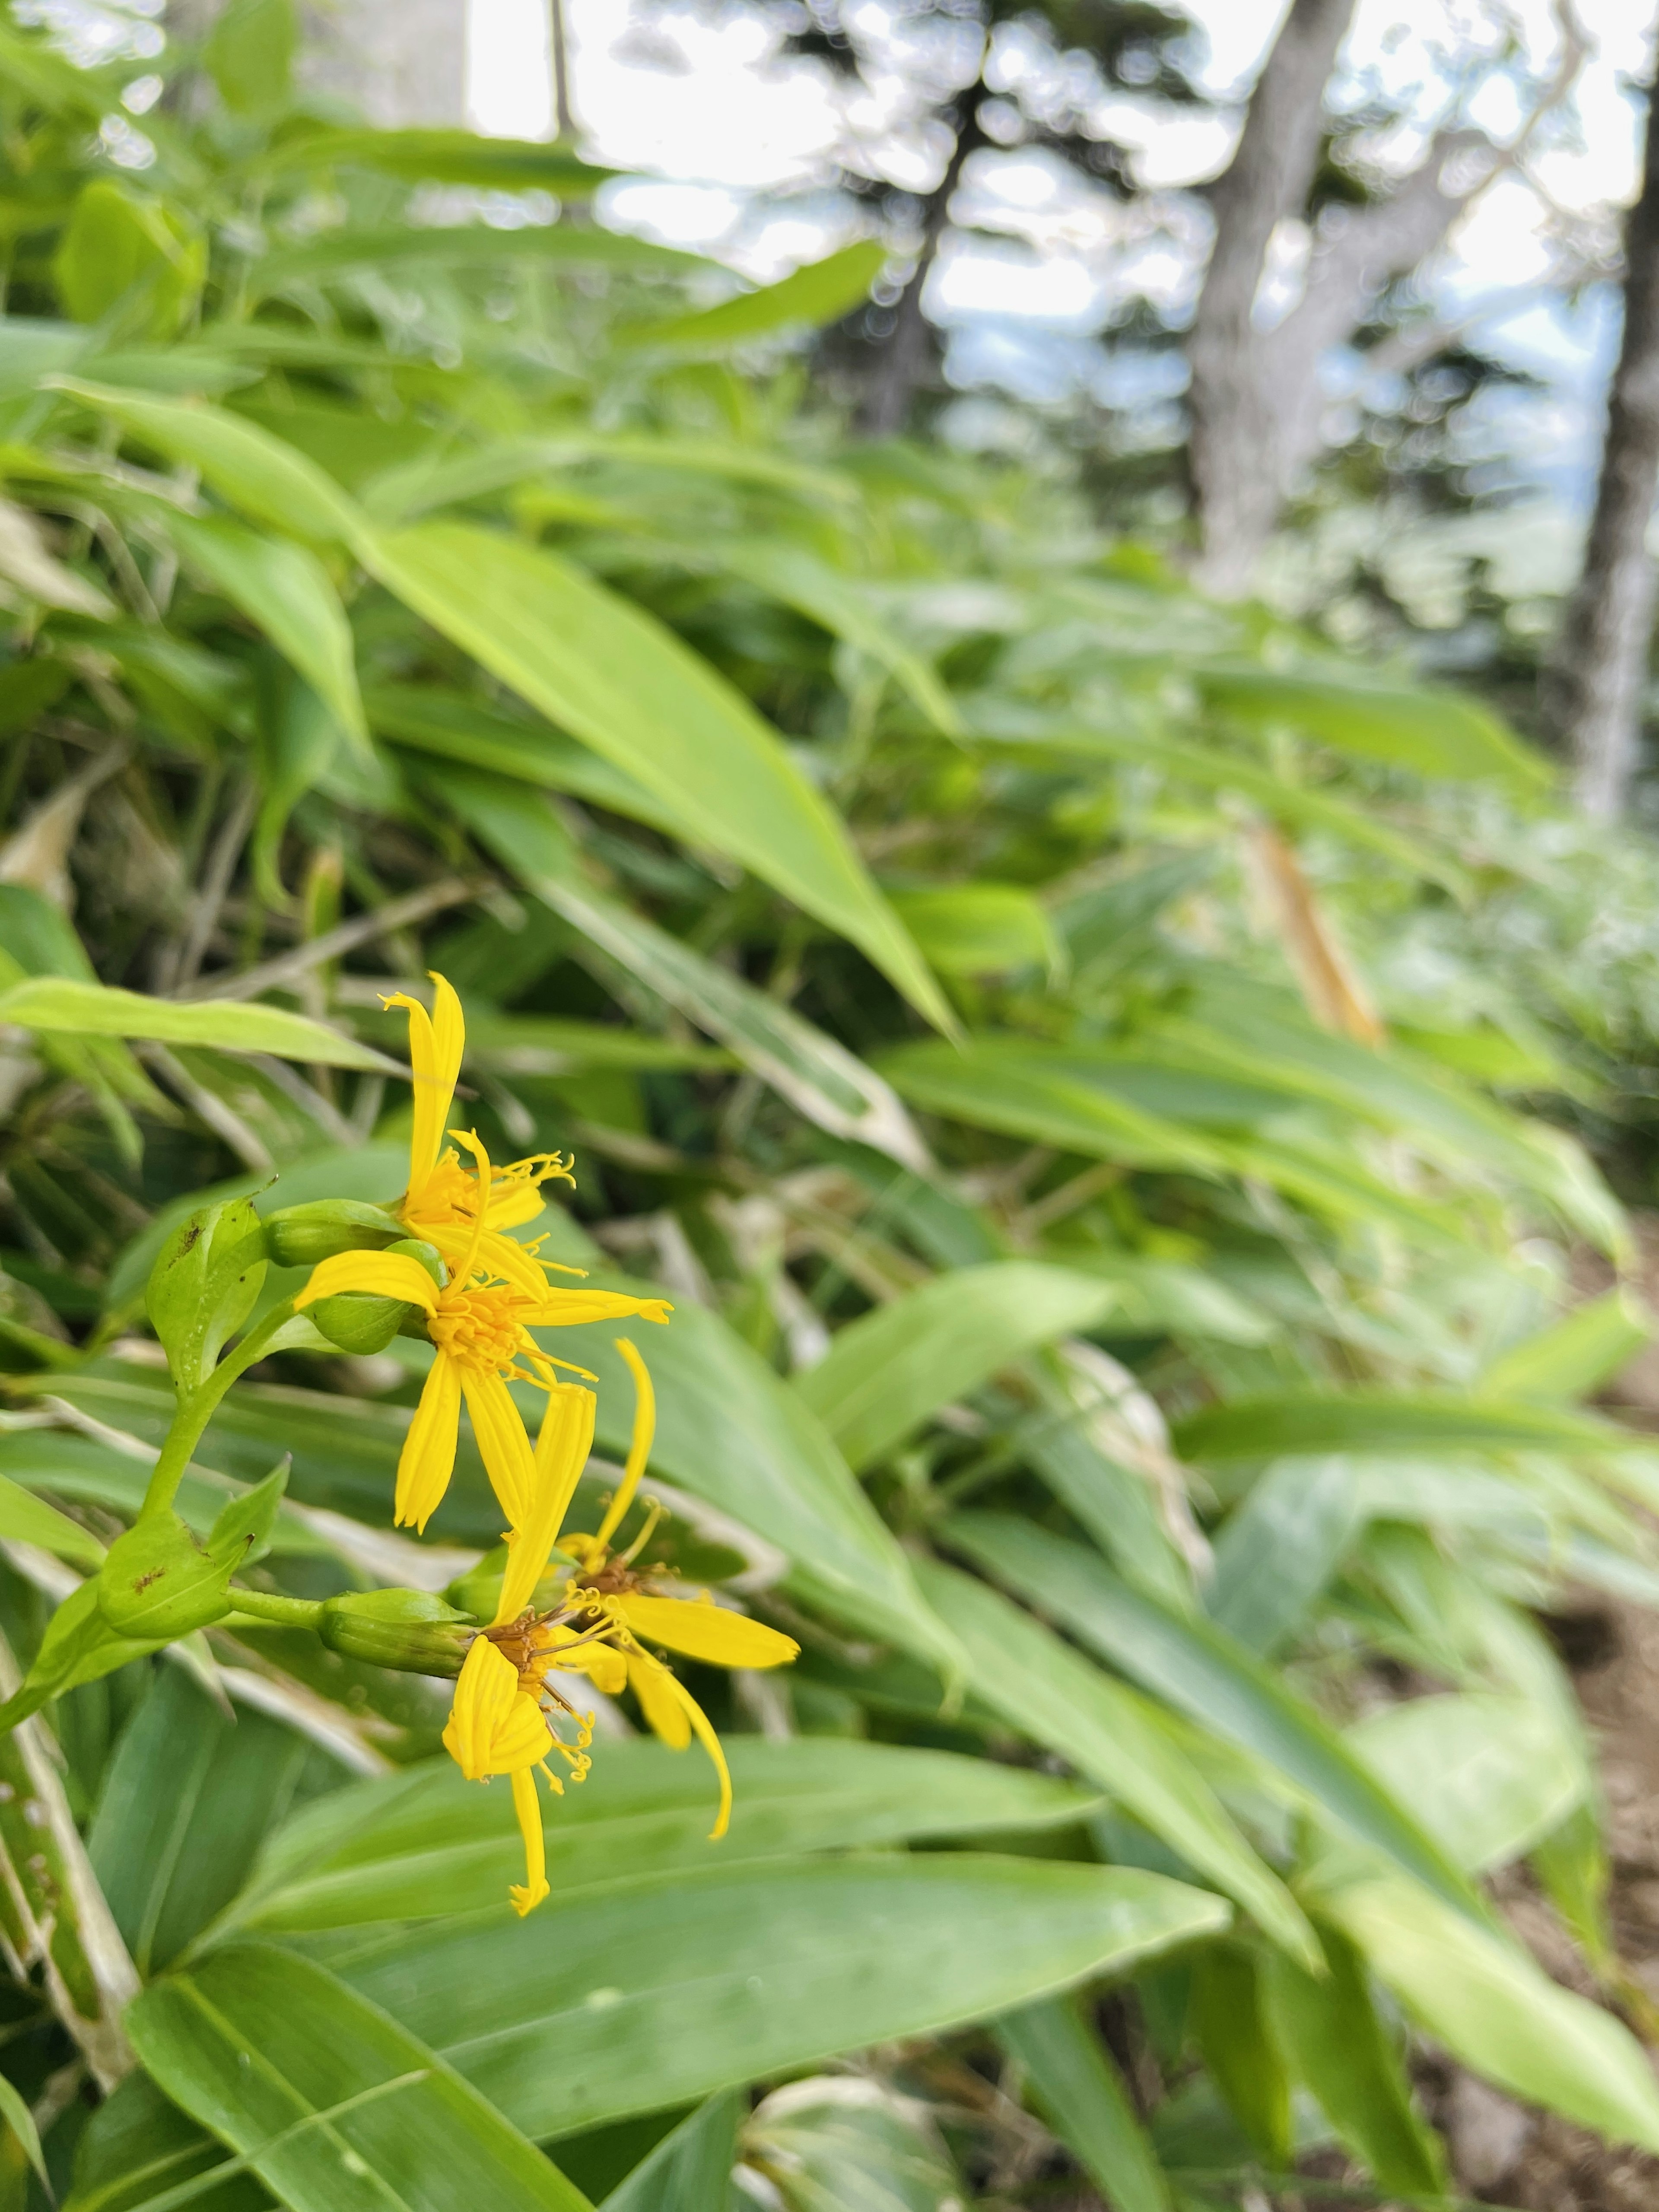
(185,1803)
(1494,2008)
(886,1372)
(256,2042)
(16,2115)
(26,1519)
(1077,2090)
(1055,1696)
(249,54)
(59,1006)
(79,1646)
(690,2169)
(1281,1546)
(1488,1776)
(659,1991)
(818,1076)
(1236,2039)
(1203,1673)
(606,671)
(136,2148)
(836,602)
(443,156)
(425,1843)
(287,590)
(979,929)
(122,251)
(203,1286)
(820,293)
(341,255)
(832,2141)
(1575,1355)
(1374,1421)
(1436,733)
(1329,2029)
(261,476)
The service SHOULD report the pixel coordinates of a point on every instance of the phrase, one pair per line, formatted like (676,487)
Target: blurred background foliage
(1144,1118)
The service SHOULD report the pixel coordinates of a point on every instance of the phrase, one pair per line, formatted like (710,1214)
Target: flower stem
(272,1606)
(195,1411)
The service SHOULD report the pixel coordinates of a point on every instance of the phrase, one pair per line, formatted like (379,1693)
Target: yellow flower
(441,1204)
(612,1605)
(497,1724)
(479,1324)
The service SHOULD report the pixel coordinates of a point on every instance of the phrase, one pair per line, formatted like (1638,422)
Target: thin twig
(216,882)
(223,1120)
(362,929)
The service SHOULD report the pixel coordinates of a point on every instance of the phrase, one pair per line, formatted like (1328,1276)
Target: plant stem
(195,1411)
(272,1605)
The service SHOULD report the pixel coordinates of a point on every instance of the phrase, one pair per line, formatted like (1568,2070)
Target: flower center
(479,1326)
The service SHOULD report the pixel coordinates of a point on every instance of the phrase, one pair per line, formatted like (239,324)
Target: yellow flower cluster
(507,1710)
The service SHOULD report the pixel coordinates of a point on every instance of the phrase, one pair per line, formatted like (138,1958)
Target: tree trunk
(901,367)
(1234,434)
(1600,670)
(398,63)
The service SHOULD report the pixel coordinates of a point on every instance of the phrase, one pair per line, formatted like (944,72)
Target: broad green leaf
(1329,2029)
(263,477)
(819,1077)
(889,1370)
(1231,2027)
(26,1519)
(1199,1670)
(443,156)
(613,677)
(16,2115)
(979,929)
(124,253)
(137,2149)
(661,1990)
(185,1803)
(799,579)
(1496,2010)
(467,246)
(1575,1355)
(249,54)
(429,719)
(1434,733)
(1077,2086)
(690,2169)
(1488,1776)
(1281,1546)
(1212,769)
(1055,1696)
(255,2043)
(287,590)
(63,1007)
(425,1843)
(1373,1421)
(820,293)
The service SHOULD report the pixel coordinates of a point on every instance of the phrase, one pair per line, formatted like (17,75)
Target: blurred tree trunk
(908,358)
(1600,670)
(397,61)
(1236,425)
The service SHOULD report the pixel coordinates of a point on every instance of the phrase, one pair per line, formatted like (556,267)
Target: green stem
(197,1410)
(270,1605)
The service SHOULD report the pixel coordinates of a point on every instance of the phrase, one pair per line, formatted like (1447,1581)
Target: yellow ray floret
(444,1202)
(495,1728)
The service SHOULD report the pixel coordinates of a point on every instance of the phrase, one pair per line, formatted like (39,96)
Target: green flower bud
(479,1590)
(409,1629)
(361,1321)
(203,1286)
(300,1235)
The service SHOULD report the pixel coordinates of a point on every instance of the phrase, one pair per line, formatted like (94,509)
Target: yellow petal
(567,1308)
(428,1458)
(562,1449)
(639,1448)
(435,1044)
(493,1727)
(503,1445)
(514,1202)
(385,1275)
(529,1811)
(711,1744)
(604,1666)
(709,1632)
(664,1714)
